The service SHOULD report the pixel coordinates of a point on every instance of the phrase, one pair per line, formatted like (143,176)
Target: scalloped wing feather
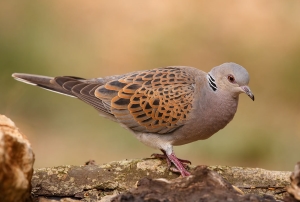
(157,100)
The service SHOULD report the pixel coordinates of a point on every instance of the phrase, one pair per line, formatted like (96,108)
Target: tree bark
(16,163)
(97,181)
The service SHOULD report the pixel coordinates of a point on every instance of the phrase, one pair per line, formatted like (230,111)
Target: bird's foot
(180,164)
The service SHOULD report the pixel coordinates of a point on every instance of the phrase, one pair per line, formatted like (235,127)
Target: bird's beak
(247,90)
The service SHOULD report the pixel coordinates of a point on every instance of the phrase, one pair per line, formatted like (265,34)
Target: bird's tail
(44,82)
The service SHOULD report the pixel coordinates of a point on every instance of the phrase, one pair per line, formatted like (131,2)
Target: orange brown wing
(157,100)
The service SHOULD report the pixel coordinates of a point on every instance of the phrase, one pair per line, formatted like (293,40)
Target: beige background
(98,38)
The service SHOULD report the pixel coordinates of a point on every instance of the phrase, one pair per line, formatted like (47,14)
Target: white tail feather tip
(24,81)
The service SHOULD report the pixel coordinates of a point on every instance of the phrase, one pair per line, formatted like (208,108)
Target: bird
(162,107)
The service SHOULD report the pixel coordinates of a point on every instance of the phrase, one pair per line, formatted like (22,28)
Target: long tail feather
(45,82)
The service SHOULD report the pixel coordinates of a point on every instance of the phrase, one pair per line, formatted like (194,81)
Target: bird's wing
(156,101)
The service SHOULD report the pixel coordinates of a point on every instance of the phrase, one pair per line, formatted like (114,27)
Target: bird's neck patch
(211,82)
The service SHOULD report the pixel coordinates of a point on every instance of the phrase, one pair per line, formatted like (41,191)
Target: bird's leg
(179,163)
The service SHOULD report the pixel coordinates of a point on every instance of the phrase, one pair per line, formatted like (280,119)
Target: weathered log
(94,182)
(294,188)
(16,163)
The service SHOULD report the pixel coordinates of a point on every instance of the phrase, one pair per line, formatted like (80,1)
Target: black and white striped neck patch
(211,82)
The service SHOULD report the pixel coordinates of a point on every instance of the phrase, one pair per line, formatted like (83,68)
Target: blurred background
(99,38)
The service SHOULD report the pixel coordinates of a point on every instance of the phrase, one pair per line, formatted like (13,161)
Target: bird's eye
(231,78)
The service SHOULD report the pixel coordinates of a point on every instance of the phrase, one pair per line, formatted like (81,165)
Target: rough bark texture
(294,188)
(204,185)
(16,163)
(93,182)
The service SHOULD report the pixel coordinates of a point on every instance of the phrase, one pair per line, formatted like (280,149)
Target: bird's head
(230,77)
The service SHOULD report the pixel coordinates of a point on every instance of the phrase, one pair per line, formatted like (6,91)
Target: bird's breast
(208,117)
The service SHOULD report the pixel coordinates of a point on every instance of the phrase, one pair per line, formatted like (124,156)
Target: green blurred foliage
(98,38)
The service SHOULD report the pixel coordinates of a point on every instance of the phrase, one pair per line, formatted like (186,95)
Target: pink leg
(179,163)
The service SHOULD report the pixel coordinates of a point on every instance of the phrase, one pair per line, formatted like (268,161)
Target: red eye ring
(231,78)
